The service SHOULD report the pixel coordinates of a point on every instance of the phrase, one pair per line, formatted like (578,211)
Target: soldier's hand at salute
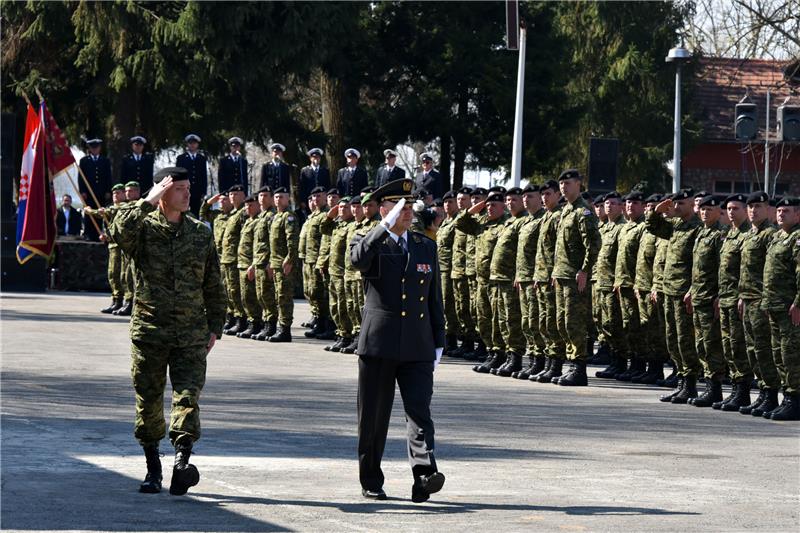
(287,267)
(333,212)
(794,312)
(158,190)
(664,206)
(212,340)
(214,199)
(581,278)
(477,208)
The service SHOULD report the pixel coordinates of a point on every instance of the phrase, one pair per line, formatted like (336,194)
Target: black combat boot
(351,347)
(718,405)
(748,409)
(240,324)
(495,360)
(270,328)
(602,356)
(311,324)
(769,403)
(316,329)
(627,371)
(553,372)
(507,362)
(713,393)
(263,333)
(689,391)
(790,409)
(336,346)
(258,327)
(479,354)
(513,364)
(641,370)
(184,475)
(617,366)
(284,334)
(152,481)
(116,303)
(741,398)
(576,377)
(451,346)
(768,414)
(535,366)
(328,331)
(673,376)
(655,371)
(675,392)
(466,350)
(548,362)
(346,341)
(246,332)
(230,320)
(125,310)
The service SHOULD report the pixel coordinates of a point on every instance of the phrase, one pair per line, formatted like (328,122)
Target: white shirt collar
(396,237)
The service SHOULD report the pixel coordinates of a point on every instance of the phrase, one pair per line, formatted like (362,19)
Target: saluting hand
(214,199)
(158,190)
(664,206)
(393,215)
(477,208)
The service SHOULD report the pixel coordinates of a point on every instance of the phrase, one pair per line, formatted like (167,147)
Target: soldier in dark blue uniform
(233,167)
(138,166)
(276,173)
(312,176)
(97,169)
(429,178)
(389,172)
(196,164)
(402,339)
(352,178)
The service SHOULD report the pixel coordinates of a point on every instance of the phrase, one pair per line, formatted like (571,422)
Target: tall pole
(676,153)
(766,153)
(516,154)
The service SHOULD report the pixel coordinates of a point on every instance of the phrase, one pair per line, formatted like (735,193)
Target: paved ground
(279,444)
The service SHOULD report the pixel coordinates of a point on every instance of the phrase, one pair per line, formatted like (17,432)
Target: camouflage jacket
(261,237)
(233,232)
(313,239)
(283,236)
(485,233)
(754,254)
(630,237)
(361,227)
(705,263)
(645,261)
(660,259)
(526,247)
(782,271)
(730,262)
(546,245)
(218,220)
(180,299)
(470,267)
(677,275)
(577,240)
(607,257)
(244,253)
(445,240)
(504,257)
(459,263)
(337,229)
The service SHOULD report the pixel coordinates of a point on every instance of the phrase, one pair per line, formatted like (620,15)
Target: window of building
(732,187)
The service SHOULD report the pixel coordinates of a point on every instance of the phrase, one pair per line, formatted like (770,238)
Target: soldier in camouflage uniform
(283,243)
(265,286)
(445,239)
(178,317)
(247,272)
(681,230)
(604,268)
(323,260)
(478,195)
(603,353)
(486,230)
(461,288)
(502,273)
(525,265)
(131,195)
(577,246)
(781,300)
(702,299)
(228,260)
(218,219)
(731,327)
(317,293)
(106,215)
(335,226)
(658,299)
(353,287)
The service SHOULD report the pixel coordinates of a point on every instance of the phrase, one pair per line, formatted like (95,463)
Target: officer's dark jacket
(350,186)
(384,176)
(432,183)
(99,175)
(198,172)
(308,180)
(140,171)
(232,173)
(275,176)
(403,318)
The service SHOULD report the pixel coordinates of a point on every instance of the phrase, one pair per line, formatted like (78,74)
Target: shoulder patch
(290,218)
(587,212)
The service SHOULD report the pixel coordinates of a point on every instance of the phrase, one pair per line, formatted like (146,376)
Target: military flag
(59,156)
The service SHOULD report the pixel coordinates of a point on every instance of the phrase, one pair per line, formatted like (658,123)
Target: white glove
(439,352)
(391,216)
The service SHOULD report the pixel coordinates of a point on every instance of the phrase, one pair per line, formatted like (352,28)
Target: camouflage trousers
(449,304)
(127,277)
(355,302)
(337,296)
(473,305)
(247,289)
(508,316)
(483,306)
(611,323)
(115,272)
(651,320)
(635,338)
(591,328)
(708,339)
(529,306)
(466,322)
(679,330)
(231,274)
(572,316)
(265,293)
(548,320)
(187,373)
(786,347)
(597,313)
(284,296)
(317,291)
(758,339)
(734,348)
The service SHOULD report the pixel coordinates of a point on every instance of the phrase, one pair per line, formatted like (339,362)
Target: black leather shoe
(424,486)
(374,494)
(184,475)
(152,481)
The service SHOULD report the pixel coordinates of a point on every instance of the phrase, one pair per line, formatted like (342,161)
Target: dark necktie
(402,243)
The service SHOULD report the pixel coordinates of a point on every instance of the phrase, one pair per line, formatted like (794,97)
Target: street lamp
(678,55)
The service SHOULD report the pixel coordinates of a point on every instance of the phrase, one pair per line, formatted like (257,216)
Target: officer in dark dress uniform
(97,169)
(276,173)
(389,172)
(402,338)
(196,165)
(313,176)
(138,166)
(233,167)
(429,178)
(352,178)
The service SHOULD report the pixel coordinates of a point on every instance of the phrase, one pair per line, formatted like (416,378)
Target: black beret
(333,191)
(496,196)
(654,198)
(344,200)
(177,173)
(587,196)
(709,201)
(738,197)
(318,189)
(774,201)
(250,199)
(267,188)
(530,188)
(236,188)
(598,199)
(700,194)
(634,196)
(497,188)
(562,200)
(280,190)
(422,193)
(438,202)
(448,195)
(570,174)
(757,197)
(613,195)
(479,191)
(394,191)
(549,184)
(789,201)
(355,200)
(368,188)
(683,194)
(465,190)
(514,190)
